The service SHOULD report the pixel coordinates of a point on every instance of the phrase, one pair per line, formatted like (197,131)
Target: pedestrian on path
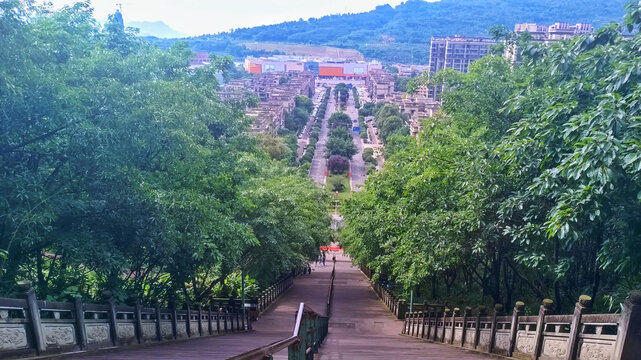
(334,259)
(323,259)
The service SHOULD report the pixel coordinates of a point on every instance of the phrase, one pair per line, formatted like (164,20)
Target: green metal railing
(309,332)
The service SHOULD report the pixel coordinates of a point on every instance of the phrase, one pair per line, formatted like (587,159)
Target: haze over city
(196,17)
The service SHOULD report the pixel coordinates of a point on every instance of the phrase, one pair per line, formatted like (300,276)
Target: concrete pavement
(361,328)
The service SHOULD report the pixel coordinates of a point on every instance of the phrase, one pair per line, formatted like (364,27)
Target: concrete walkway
(360,326)
(276,323)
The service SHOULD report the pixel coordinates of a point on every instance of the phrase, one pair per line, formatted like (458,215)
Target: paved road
(357,165)
(304,139)
(319,163)
(275,324)
(361,328)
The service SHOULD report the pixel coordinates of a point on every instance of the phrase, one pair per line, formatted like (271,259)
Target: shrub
(337,164)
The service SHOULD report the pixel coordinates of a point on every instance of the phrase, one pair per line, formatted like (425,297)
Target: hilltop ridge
(402,33)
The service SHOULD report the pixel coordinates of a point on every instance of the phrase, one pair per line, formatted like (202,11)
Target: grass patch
(334,181)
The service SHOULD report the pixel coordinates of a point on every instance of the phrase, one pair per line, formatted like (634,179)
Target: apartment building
(555,32)
(457,52)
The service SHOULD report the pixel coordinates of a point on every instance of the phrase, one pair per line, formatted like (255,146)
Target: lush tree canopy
(123,171)
(526,184)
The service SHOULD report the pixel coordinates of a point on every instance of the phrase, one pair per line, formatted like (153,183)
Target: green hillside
(402,33)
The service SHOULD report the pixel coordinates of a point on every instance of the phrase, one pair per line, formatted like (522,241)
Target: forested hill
(397,33)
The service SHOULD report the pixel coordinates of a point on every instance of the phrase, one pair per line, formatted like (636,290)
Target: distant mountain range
(402,33)
(155,28)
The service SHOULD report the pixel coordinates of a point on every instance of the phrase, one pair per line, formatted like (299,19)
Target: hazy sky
(195,17)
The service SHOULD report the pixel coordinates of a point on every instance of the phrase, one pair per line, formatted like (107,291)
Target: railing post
(218,312)
(498,310)
(582,306)
(429,322)
(188,322)
(467,312)
(158,319)
(402,309)
(138,321)
(80,323)
(113,319)
(445,315)
(200,320)
(34,316)
(210,328)
(519,307)
(238,328)
(628,346)
(423,320)
(544,309)
(404,330)
(225,320)
(477,332)
(455,313)
(174,319)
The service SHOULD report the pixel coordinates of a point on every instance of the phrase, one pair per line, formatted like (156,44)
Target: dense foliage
(122,171)
(340,140)
(401,33)
(297,119)
(527,185)
(314,134)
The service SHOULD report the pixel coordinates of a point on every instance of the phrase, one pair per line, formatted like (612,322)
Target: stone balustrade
(29,326)
(546,336)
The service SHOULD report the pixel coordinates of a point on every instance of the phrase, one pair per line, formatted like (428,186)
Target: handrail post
(477,331)
(498,310)
(188,322)
(210,328)
(138,321)
(113,319)
(225,319)
(174,319)
(453,332)
(582,306)
(467,312)
(423,320)
(218,312)
(544,309)
(200,320)
(429,322)
(445,314)
(628,344)
(519,307)
(34,317)
(158,328)
(80,323)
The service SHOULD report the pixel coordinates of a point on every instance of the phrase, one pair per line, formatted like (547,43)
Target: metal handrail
(330,292)
(265,352)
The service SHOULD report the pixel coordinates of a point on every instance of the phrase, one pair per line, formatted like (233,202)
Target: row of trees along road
(314,134)
(341,94)
(123,171)
(526,186)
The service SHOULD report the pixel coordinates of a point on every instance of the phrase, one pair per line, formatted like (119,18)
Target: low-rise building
(277,94)
(322,68)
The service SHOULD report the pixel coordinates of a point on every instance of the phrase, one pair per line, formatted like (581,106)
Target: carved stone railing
(269,295)
(397,306)
(545,336)
(29,326)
